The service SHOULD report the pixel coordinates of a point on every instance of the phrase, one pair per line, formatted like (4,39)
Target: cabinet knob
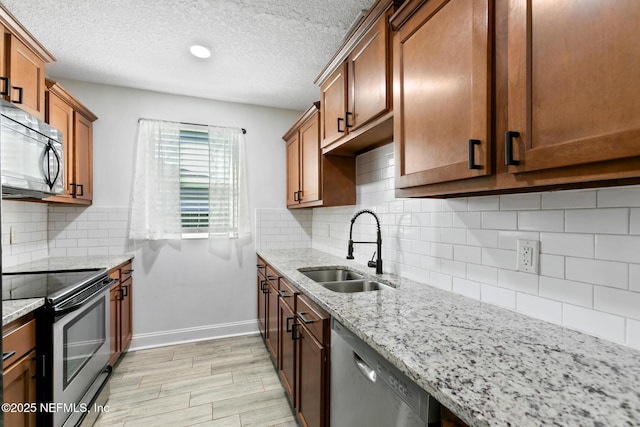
(508,148)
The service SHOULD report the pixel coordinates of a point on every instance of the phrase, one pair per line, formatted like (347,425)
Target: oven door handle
(66,307)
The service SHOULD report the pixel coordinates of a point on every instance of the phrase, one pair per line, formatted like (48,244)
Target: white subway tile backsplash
(484,203)
(541,220)
(518,281)
(605,221)
(482,274)
(498,296)
(606,273)
(569,199)
(617,301)
(634,221)
(542,308)
(483,238)
(578,245)
(466,287)
(634,277)
(499,220)
(511,202)
(575,293)
(600,324)
(509,239)
(467,220)
(633,334)
(499,258)
(469,254)
(618,248)
(619,197)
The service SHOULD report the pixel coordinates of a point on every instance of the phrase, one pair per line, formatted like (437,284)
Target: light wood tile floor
(229,382)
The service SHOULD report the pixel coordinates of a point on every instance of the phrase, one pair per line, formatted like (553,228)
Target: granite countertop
(71,263)
(14,309)
(489,365)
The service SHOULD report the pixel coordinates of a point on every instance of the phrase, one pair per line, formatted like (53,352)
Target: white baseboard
(200,333)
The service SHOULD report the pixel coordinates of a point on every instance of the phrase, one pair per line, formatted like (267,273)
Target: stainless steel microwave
(31,156)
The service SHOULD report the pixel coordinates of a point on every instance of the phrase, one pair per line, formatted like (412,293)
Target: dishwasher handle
(365,369)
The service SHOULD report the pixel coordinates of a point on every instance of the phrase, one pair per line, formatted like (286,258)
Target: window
(189,182)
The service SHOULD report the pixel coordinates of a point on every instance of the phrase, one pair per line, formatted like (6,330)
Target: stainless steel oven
(73,340)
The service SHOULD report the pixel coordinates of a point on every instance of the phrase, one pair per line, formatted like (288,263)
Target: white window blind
(189,182)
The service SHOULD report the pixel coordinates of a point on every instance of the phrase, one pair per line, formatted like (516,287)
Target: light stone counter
(71,263)
(14,309)
(489,365)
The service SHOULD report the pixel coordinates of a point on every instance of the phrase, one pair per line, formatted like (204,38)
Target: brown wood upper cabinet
(547,88)
(309,172)
(67,114)
(355,87)
(572,83)
(22,62)
(441,102)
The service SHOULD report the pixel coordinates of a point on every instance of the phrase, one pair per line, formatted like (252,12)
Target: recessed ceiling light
(200,51)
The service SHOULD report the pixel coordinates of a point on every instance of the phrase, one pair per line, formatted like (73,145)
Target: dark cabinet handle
(9,354)
(74,189)
(19,89)
(260,265)
(7,86)
(472,156)
(120,296)
(288,326)
(263,284)
(128,271)
(508,148)
(81,189)
(283,294)
(299,195)
(295,196)
(346,118)
(293,332)
(304,318)
(125,291)
(340,119)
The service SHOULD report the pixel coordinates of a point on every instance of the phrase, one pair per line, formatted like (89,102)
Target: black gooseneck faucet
(378,263)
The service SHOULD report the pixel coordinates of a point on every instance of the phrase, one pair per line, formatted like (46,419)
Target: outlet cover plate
(528,256)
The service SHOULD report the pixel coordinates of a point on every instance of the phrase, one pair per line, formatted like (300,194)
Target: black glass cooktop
(49,284)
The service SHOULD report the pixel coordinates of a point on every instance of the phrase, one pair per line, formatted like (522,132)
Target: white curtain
(157,208)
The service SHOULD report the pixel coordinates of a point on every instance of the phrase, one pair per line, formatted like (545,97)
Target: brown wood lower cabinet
(121,299)
(299,346)
(19,370)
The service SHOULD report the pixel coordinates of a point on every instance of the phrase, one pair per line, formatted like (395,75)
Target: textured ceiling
(264,52)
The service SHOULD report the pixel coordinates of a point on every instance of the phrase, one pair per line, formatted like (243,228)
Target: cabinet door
(441,94)
(310,160)
(333,106)
(27,73)
(83,131)
(114,314)
(310,379)
(573,82)
(60,116)
(272,321)
(126,330)
(369,76)
(19,387)
(293,170)
(262,306)
(286,349)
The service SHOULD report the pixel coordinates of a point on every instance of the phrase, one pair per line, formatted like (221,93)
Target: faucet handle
(371,263)
(350,250)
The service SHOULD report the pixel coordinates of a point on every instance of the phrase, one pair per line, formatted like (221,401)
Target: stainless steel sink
(332,275)
(349,286)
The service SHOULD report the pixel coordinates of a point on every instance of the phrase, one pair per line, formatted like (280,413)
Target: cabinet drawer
(125,271)
(22,340)
(261,266)
(272,277)
(313,317)
(287,293)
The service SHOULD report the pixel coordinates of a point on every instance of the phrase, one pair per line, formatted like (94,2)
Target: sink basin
(332,275)
(349,286)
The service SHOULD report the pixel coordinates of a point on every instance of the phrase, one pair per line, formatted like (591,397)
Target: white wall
(590,247)
(189,289)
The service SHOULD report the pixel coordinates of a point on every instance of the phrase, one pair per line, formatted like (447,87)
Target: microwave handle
(46,166)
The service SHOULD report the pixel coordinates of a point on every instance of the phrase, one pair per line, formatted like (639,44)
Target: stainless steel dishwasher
(367,391)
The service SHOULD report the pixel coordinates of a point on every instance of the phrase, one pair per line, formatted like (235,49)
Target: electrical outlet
(528,256)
